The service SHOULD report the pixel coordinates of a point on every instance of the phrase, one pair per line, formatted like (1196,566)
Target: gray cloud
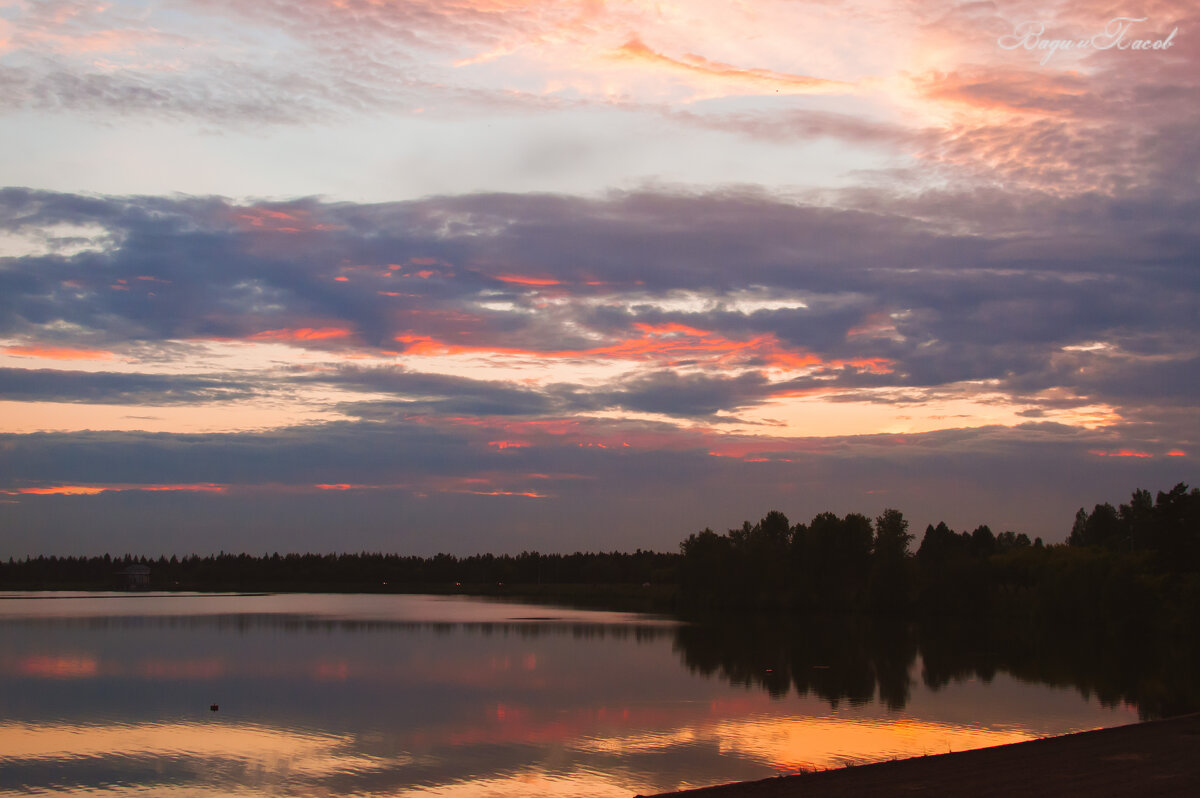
(1020,291)
(944,306)
(51,385)
(672,394)
(1028,479)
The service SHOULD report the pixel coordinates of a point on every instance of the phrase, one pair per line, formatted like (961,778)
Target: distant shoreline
(616,596)
(1154,758)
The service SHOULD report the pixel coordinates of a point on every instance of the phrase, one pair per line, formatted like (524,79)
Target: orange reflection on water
(522,784)
(265,747)
(586,728)
(87,666)
(59,667)
(331,671)
(803,744)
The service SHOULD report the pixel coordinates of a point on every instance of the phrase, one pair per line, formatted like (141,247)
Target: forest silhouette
(1122,565)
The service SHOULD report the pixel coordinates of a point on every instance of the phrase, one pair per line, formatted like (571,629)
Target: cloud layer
(637,270)
(550,348)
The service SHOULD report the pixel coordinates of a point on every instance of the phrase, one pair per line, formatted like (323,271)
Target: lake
(403,695)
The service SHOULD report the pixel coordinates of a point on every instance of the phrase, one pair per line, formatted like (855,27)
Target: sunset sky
(495,275)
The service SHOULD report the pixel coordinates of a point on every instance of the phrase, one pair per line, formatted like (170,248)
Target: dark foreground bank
(1158,758)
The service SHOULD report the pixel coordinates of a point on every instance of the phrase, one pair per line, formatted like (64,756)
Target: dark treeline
(1122,570)
(338,572)
(832,563)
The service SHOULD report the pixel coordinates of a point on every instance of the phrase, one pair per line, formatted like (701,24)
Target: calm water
(447,696)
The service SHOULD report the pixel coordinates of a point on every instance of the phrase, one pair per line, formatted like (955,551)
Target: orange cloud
(522,280)
(1177,453)
(635,50)
(58,352)
(724,446)
(268,220)
(92,490)
(358,486)
(736,456)
(669,328)
(671,343)
(261,217)
(66,490)
(509,444)
(302,334)
(1119,453)
(355,486)
(1017,92)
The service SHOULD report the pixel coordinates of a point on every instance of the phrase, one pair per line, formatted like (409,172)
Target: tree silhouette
(889,586)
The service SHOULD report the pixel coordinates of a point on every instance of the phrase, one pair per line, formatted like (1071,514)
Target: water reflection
(858,661)
(837,659)
(160,756)
(457,698)
(308,607)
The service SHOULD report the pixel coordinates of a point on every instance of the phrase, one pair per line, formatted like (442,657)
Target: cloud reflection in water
(525,701)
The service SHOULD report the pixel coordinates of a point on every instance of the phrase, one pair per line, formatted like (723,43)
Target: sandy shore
(1158,758)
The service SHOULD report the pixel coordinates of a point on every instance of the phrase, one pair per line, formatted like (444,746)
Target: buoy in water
(213,707)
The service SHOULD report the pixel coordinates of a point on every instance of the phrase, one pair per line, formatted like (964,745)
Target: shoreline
(1153,758)
(618,596)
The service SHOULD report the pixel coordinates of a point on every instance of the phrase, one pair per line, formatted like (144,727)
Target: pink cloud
(92,490)
(58,352)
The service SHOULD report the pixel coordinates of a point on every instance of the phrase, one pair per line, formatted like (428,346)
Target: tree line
(363,571)
(1121,571)
(834,563)
(1119,567)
